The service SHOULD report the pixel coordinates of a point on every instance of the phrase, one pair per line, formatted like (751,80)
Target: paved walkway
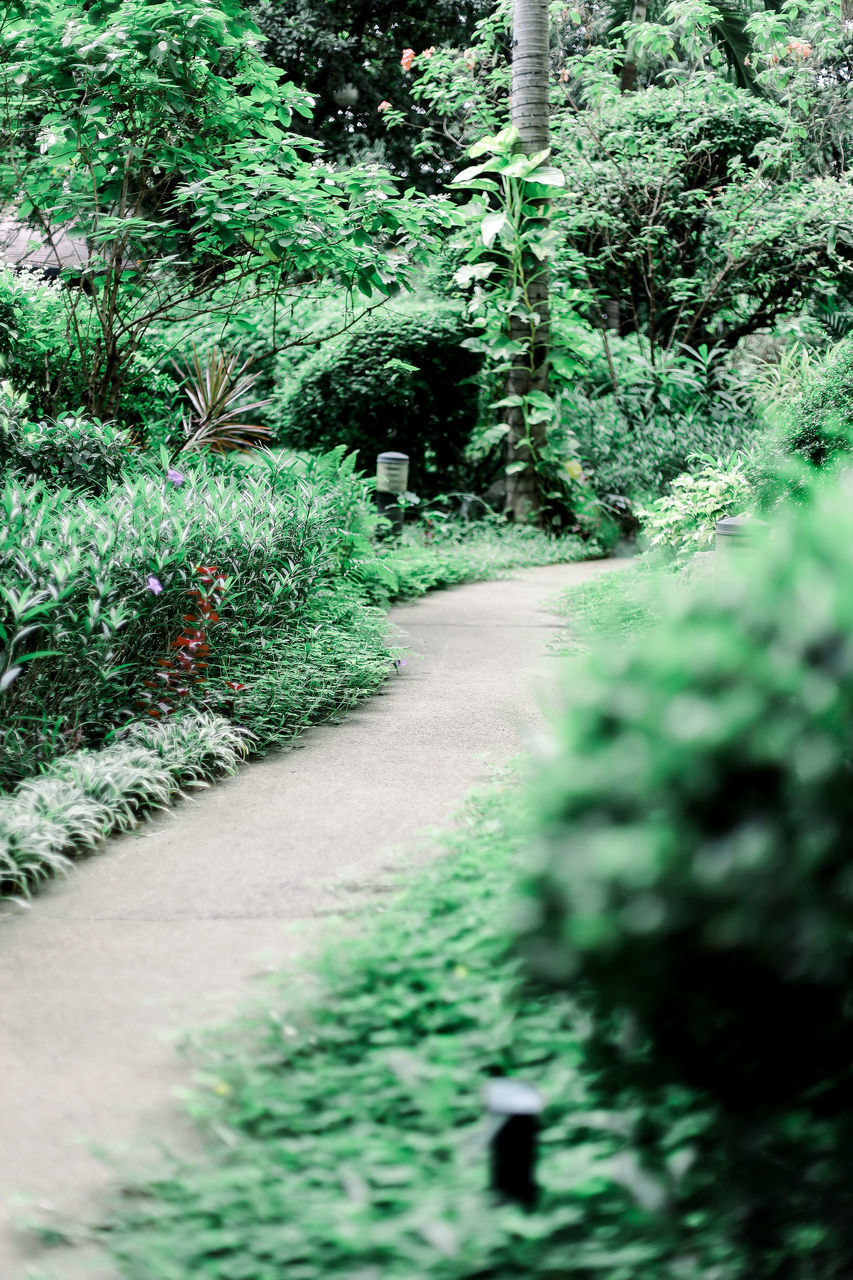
(165,927)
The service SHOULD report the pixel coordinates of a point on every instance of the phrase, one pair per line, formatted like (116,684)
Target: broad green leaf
(492,225)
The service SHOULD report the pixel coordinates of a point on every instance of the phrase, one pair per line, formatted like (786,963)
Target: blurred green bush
(696,884)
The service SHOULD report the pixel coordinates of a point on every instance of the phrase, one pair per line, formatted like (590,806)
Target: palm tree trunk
(531,74)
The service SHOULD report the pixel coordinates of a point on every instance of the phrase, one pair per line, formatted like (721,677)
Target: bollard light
(347,96)
(392,479)
(740,533)
(392,473)
(515,1107)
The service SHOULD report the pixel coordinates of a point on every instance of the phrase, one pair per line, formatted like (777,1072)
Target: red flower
(407,59)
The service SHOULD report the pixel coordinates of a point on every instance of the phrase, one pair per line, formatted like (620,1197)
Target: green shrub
(696,886)
(820,425)
(98,595)
(811,428)
(400,380)
(39,355)
(45,354)
(684,519)
(638,458)
(74,450)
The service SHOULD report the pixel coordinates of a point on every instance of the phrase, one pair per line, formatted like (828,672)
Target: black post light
(514,1107)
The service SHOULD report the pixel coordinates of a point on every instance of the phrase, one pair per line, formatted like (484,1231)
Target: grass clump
(80,799)
(609,607)
(428,557)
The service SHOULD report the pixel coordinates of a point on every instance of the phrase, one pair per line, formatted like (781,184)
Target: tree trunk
(531,74)
(629,69)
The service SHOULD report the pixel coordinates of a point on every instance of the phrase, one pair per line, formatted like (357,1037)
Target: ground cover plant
(609,607)
(345,1133)
(79,799)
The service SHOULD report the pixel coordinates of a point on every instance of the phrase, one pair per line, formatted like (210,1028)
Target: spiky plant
(218,389)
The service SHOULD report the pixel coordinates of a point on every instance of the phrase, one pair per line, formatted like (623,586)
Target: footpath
(165,929)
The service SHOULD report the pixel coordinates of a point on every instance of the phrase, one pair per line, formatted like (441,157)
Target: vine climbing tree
(529,319)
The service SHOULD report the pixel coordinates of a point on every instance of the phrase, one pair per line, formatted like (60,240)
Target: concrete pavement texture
(166,927)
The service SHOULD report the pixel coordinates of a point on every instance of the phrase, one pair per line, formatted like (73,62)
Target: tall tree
(155,133)
(530,323)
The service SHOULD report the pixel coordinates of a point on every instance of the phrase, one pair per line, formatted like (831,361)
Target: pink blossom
(407,59)
(384,106)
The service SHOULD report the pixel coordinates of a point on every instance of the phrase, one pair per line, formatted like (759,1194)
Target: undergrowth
(608,606)
(423,561)
(249,596)
(348,1138)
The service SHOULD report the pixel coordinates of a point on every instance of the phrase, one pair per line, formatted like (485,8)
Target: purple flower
(154,584)
(175,477)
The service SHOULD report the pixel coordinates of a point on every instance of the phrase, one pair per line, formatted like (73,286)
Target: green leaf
(473,271)
(548,176)
(492,225)
(472,172)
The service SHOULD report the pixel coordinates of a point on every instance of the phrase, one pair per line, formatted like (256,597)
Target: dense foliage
(158,137)
(820,426)
(697,218)
(695,882)
(115,612)
(347,55)
(74,451)
(401,380)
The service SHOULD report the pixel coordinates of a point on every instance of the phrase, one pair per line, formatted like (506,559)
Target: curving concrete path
(165,928)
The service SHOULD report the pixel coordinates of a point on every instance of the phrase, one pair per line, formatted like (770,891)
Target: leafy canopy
(156,134)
